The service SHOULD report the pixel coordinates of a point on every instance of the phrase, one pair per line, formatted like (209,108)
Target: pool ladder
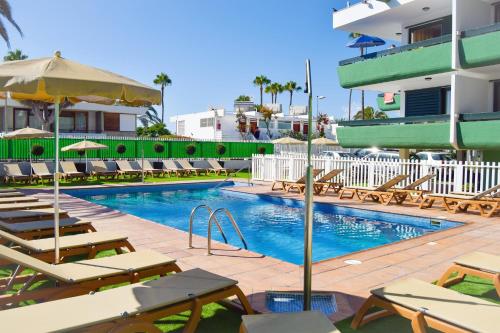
(213,218)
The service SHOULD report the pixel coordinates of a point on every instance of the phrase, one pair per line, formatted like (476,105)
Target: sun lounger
(413,191)
(7,190)
(486,202)
(483,265)
(297,322)
(41,172)
(88,244)
(11,194)
(45,228)
(378,194)
(428,305)
(5,207)
(13,174)
(148,169)
(188,167)
(322,185)
(26,215)
(99,169)
(169,166)
(299,184)
(79,277)
(216,168)
(124,168)
(70,172)
(131,308)
(17,199)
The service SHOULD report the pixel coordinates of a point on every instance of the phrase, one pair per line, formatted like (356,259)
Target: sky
(211,49)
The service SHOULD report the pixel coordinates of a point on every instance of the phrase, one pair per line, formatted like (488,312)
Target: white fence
(451,176)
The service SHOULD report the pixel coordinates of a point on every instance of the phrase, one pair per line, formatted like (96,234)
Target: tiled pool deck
(425,257)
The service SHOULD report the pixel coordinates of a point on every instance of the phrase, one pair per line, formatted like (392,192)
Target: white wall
(472,95)
(127,123)
(472,14)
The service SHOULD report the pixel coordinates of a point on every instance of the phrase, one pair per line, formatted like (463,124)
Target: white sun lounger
(26,215)
(44,228)
(17,199)
(5,207)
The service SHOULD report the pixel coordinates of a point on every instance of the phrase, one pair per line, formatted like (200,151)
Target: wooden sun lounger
(483,265)
(26,215)
(148,169)
(99,169)
(169,166)
(13,174)
(131,308)
(297,322)
(17,199)
(88,244)
(79,277)
(413,191)
(299,184)
(322,185)
(41,172)
(5,207)
(11,194)
(379,194)
(216,168)
(70,172)
(7,190)
(124,168)
(428,305)
(187,166)
(45,228)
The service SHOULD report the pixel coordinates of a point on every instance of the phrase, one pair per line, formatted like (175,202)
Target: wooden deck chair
(70,172)
(428,305)
(17,199)
(483,265)
(100,169)
(413,191)
(300,184)
(486,203)
(14,174)
(379,194)
(45,228)
(6,207)
(216,168)
(11,194)
(78,277)
(124,168)
(170,167)
(148,169)
(322,185)
(88,244)
(41,172)
(131,308)
(26,215)
(281,184)
(296,322)
(187,166)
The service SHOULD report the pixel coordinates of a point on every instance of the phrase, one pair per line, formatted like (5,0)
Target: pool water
(272,226)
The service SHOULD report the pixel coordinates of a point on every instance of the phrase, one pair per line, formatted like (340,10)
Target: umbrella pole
(56,181)
(29,152)
(142,165)
(5,112)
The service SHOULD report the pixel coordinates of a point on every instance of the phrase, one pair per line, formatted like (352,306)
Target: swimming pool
(272,226)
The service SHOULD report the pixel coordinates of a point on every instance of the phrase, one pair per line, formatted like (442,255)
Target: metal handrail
(249,167)
(233,222)
(191,219)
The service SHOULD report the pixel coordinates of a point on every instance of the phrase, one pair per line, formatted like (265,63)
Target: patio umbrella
(55,79)
(28,133)
(324,141)
(84,146)
(361,42)
(288,141)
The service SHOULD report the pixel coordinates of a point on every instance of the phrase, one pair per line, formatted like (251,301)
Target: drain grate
(293,302)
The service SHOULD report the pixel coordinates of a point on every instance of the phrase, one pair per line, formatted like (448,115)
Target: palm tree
(15,55)
(6,12)
(162,80)
(150,117)
(261,81)
(269,90)
(291,87)
(370,113)
(279,89)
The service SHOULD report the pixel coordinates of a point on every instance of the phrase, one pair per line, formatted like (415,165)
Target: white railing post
(458,183)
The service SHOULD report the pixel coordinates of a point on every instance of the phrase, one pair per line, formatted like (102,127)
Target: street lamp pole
(317,104)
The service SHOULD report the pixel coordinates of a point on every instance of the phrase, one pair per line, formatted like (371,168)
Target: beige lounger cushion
(17,214)
(11,194)
(482,261)
(6,190)
(24,205)
(91,269)
(464,311)
(17,199)
(299,322)
(65,242)
(40,225)
(111,304)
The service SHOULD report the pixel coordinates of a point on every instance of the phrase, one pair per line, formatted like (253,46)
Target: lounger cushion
(480,260)
(23,205)
(299,322)
(464,311)
(17,199)
(26,213)
(113,304)
(40,225)
(11,194)
(6,190)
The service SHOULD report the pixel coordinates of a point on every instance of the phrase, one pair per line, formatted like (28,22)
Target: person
(256,133)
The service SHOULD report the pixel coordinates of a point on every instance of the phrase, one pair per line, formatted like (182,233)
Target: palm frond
(6,12)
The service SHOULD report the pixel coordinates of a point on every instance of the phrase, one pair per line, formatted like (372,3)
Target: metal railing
(191,220)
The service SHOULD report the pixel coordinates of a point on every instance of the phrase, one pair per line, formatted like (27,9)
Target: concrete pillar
(404,154)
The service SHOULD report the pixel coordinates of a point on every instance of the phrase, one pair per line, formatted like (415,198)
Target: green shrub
(190,149)
(221,149)
(37,150)
(120,149)
(159,148)
(261,150)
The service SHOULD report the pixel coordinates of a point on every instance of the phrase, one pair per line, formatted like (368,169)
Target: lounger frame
(462,271)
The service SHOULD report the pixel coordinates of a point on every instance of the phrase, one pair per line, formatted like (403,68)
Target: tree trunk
(291,97)
(162,104)
(261,92)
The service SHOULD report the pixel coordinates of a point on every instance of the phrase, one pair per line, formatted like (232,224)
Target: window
(111,121)
(446,100)
(497,12)
(207,122)
(284,125)
(181,127)
(496,97)
(21,118)
(430,30)
(67,122)
(81,122)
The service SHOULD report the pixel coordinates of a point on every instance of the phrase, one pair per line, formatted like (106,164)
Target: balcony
(475,131)
(382,106)
(429,57)
(480,47)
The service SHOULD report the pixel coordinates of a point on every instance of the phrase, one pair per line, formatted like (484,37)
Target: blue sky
(211,49)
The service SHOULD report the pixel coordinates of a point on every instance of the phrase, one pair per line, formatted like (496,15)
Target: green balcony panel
(414,63)
(389,107)
(481,50)
(479,134)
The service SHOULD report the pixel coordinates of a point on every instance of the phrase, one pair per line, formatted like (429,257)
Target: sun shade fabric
(45,78)
(28,133)
(324,141)
(84,145)
(288,141)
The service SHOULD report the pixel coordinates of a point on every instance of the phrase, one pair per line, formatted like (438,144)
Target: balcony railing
(481,31)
